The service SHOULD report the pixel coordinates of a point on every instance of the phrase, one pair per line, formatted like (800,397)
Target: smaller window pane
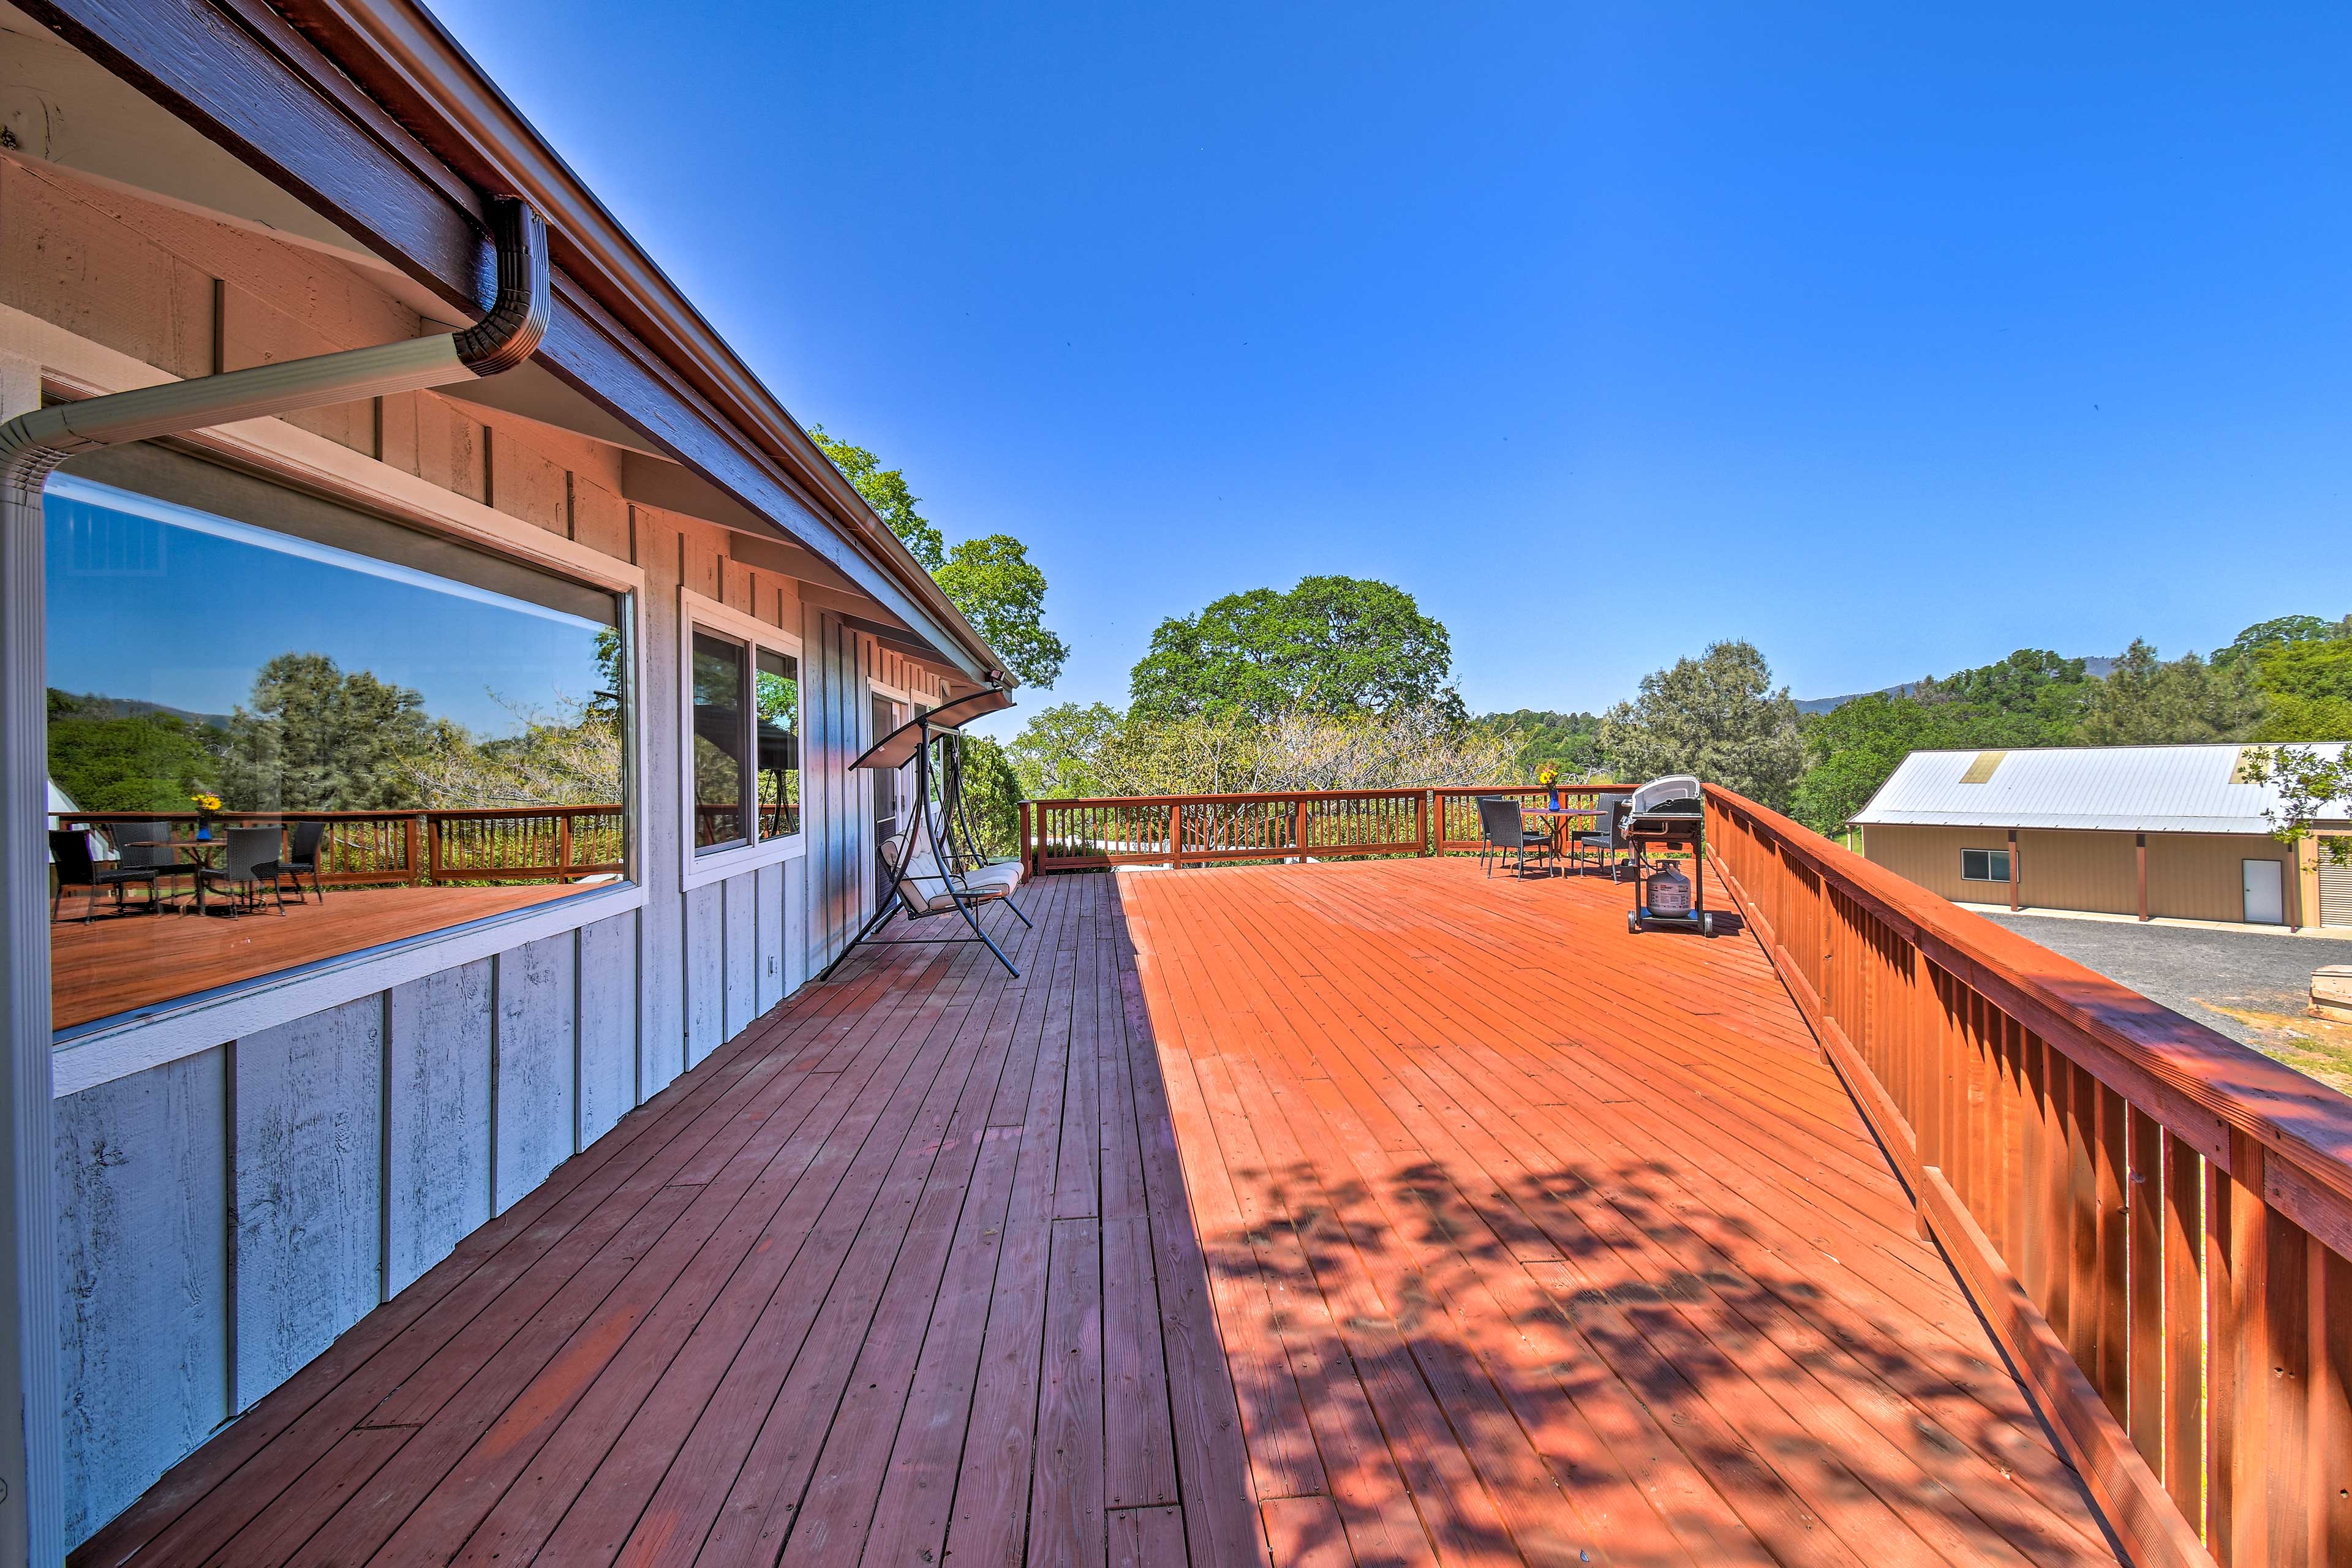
(778,748)
(718,748)
(1984,865)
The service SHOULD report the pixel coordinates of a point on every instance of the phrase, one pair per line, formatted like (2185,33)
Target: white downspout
(32,1513)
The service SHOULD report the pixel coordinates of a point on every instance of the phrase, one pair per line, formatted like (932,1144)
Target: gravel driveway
(2184,966)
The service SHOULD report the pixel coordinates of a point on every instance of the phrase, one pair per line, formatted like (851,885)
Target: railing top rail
(389,814)
(1260,797)
(2293,1115)
(1250,798)
(1536,789)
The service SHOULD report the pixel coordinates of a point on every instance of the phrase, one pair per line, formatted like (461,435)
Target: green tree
(1002,594)
(992,581)
(2282,631)
(1054,754)
(1718,716)
(1855,747)
(316,739)
(2146,700)
(885,491)
(1567,741)
(1330,646)
(992,795)
(106,760)
(2032,681)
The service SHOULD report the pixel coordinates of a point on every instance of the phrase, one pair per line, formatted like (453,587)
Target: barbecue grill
(1667,813)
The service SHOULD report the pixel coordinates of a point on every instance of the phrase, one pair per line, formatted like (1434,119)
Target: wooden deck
(1375,1213)
(119,963)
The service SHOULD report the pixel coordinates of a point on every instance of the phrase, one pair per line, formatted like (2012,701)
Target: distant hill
(91,705)
(2092,665)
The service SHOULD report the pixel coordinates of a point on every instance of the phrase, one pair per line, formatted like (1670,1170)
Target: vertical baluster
(2330,1489)
(2144,1198)
(2238,1355)
(2111,1373)
(2082,1222)
(2281,1477)
(2187,1329)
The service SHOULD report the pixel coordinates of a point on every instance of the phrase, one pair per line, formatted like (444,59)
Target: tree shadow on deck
(1577,1333)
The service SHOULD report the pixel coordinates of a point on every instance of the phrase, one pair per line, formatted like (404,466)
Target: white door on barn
(2265,893)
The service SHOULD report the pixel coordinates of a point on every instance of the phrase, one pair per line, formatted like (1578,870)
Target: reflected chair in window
(302,841)
(1504,833)
(252,864)
(147,846)
(77,867)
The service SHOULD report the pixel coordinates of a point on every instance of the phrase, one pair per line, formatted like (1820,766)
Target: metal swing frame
(946,854)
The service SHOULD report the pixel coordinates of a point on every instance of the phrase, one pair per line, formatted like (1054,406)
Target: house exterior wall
(237,1188)
(2190,876)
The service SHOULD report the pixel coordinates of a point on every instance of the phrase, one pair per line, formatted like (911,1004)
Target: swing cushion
(926,891)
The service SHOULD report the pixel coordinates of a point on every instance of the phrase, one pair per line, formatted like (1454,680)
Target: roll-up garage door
(2334,890)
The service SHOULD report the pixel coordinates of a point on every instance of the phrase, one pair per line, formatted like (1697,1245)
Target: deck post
(1428,798)
(1176,837)
(1027,856)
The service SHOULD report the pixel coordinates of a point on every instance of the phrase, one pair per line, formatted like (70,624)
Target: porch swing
(933,866)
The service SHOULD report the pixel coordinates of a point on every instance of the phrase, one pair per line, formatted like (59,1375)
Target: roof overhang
(380,129)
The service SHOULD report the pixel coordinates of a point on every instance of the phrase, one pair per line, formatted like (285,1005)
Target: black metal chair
(147,846)
(78,867)
(302,841)
(1502,831)
(1605,840)
(253,864)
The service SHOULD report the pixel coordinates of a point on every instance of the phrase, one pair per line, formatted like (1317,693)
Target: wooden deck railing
(1081,834)
(497,844)
(2155,1219)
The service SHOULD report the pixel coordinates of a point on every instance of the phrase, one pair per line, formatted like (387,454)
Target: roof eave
(398,53)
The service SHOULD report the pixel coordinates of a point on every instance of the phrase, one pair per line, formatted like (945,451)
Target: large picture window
(743,739)
(281,732)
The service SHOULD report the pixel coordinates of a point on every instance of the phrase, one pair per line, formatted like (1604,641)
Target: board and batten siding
(226,1213)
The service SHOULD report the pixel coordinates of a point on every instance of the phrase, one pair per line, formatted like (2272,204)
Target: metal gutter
(32,1518)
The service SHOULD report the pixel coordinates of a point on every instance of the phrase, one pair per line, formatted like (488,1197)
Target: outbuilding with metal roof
(2181,831)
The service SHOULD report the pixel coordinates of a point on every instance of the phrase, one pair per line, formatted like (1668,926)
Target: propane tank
(1670,893)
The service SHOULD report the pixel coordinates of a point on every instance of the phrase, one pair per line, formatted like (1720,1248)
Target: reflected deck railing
(379,848)
(2156,1221)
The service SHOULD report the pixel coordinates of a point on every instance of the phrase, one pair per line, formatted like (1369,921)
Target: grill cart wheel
(1633,921)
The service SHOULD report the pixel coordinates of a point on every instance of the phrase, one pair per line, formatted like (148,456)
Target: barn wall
(226,1214)
(2190,876)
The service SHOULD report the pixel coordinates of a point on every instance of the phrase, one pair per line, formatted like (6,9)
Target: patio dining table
(198,852)
(1562,822)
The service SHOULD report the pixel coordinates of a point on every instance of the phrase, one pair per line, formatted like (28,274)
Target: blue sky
(152,602)
(1930,332)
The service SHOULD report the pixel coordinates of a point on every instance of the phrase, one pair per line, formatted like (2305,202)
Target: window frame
(85,1056)
(698,612)
(1991,857)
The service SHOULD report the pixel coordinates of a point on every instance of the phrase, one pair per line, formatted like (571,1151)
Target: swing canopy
(897,748)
